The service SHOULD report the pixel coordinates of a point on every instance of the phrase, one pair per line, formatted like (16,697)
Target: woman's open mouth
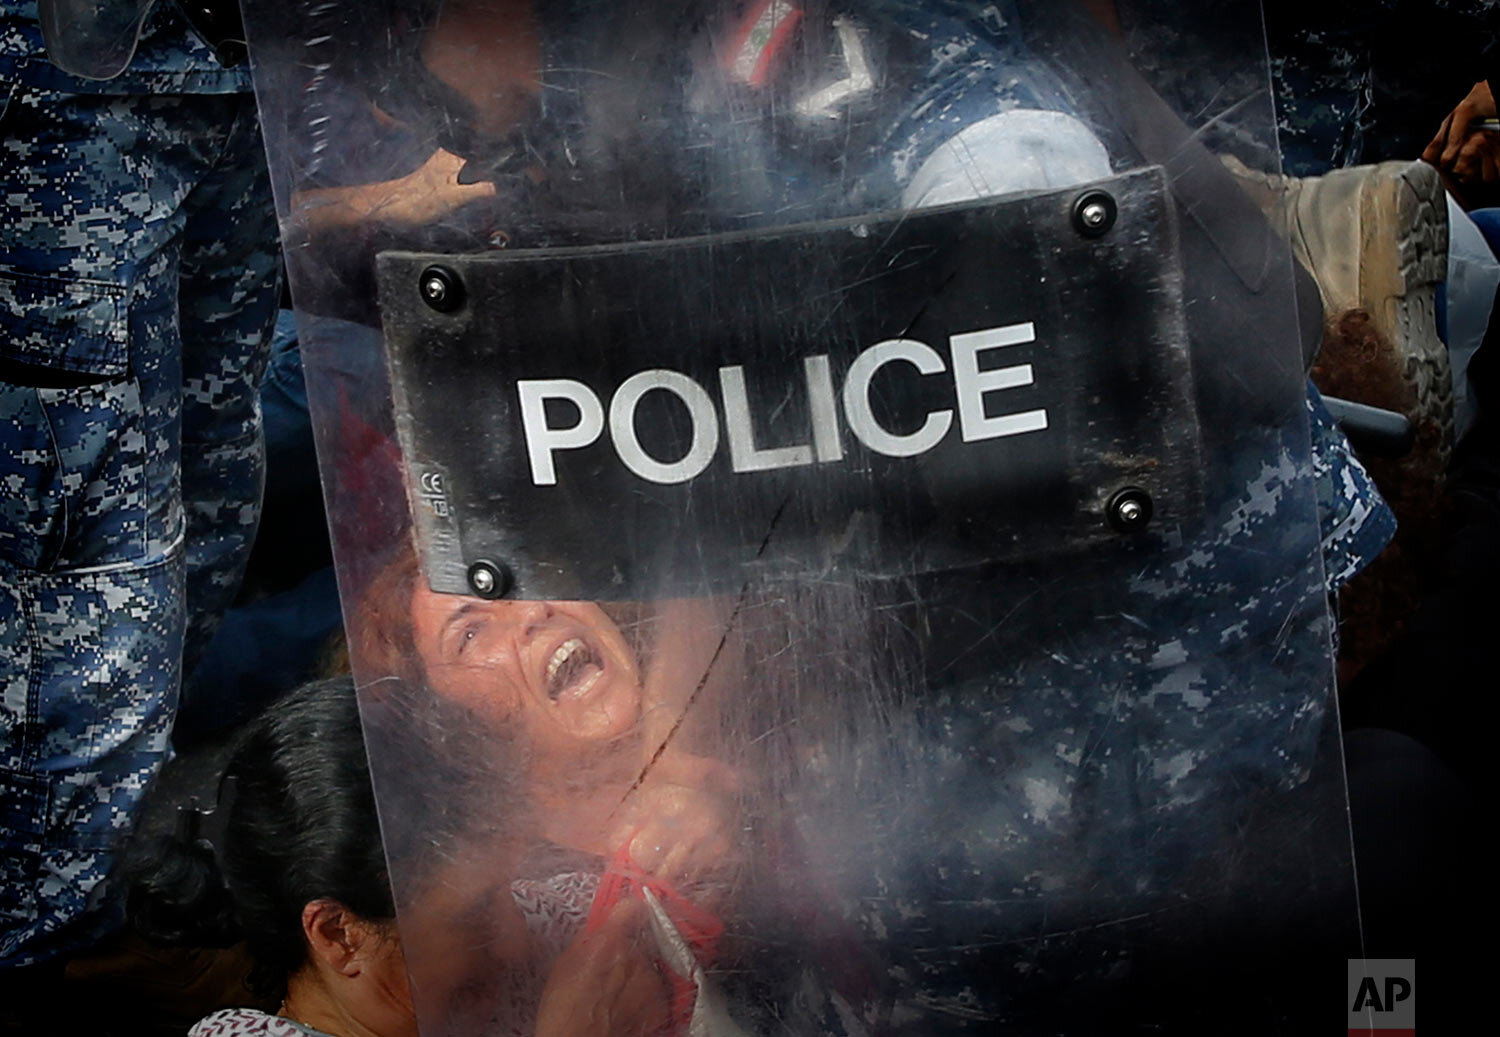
(573,670)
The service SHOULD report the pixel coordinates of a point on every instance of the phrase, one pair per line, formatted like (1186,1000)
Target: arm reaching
(428,193)
(608,982)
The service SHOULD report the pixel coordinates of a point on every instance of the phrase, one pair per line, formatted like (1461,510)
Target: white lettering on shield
(972,387)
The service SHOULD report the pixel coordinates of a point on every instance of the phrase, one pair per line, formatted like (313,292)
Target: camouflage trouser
(138,282)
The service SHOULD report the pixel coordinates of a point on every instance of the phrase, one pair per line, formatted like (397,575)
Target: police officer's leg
(228,297)
(91,526)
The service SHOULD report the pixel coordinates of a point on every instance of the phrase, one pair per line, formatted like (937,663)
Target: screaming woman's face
(560,666)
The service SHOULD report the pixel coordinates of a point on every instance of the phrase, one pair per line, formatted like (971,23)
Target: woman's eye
(469,634)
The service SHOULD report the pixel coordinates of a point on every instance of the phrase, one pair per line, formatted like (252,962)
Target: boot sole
(1398,278)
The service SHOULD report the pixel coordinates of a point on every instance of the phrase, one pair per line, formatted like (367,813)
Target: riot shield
(825,510)
(94,39)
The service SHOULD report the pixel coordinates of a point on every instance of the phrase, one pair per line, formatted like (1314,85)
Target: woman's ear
(334,936)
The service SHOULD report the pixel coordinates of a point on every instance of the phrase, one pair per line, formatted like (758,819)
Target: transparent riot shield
(94,39)
(826,510)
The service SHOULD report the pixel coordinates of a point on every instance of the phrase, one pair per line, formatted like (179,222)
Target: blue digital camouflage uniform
(1096,756)
(138,280)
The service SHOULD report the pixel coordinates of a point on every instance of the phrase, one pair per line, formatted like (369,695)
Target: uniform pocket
(72,465)
(72,450)
(63,323)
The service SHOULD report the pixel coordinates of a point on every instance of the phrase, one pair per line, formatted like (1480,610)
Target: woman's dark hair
(295,822)
(295,819)
(381,639)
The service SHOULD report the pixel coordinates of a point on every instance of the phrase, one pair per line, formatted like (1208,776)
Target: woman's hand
(608,982)
(682,824)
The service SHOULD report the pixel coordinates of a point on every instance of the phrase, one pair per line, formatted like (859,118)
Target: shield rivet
(1130,510)
(489,579)
(1094,213)
(441,289)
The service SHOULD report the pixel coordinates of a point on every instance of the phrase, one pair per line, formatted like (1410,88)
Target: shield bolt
(1130,510)
(489,579)
(1094,213)
(441,289)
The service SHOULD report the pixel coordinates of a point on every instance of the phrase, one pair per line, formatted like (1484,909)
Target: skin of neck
(353,983)
(311,1001)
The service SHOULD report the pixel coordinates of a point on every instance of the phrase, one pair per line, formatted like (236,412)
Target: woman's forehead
(432,612)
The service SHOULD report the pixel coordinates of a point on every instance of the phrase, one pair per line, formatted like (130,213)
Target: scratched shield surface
(827,521)
(872,397)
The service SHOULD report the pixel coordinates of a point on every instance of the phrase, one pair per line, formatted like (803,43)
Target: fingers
(1458,134)
(678,834)
(466,193)
(662,818)
(697,859)
(1479,104)
(1433,153)
(1476,162)
(700,849)
(1466,161)
(440,175)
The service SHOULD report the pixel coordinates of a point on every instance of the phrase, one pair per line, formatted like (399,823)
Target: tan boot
(1375,238)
